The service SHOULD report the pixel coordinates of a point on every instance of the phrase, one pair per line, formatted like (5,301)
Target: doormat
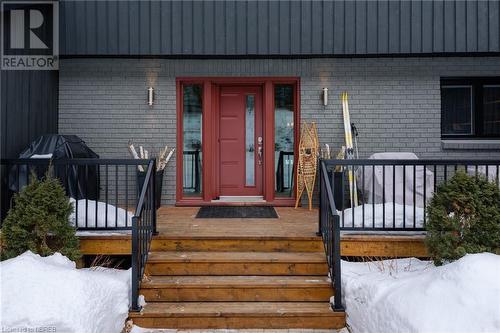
(245,212)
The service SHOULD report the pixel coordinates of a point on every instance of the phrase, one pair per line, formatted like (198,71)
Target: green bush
(38,221)
(463,217)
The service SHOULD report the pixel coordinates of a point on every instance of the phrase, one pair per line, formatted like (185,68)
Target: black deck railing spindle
(363,206)
(86,196)
(106,195)
(425,193)
(394,196)
(383,196)
(415,195)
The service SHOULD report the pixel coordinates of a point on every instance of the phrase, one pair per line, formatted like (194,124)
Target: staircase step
(233,315)
(238,244)
(236,263)
(237,288)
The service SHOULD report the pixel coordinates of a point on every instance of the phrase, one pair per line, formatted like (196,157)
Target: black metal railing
(284,171)
(329,229)
(143,229)
(191,171)
(392,195)
(103,191)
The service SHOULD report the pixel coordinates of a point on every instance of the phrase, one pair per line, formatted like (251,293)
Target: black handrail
(329,229)
(143,229)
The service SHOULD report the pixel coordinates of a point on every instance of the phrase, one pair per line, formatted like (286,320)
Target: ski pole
(355,134)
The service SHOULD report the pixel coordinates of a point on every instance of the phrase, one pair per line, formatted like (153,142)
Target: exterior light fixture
(325,96)
(150,96)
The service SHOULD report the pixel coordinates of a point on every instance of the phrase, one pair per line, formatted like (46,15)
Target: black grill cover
(61,146)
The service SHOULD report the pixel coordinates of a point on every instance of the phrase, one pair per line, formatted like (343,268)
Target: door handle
(259,149)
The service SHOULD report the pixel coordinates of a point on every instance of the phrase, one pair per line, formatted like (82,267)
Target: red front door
(240,141)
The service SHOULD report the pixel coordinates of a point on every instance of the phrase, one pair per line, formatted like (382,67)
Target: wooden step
(238,244)
(364,245)
(234,315)
(237,288)
(236,263)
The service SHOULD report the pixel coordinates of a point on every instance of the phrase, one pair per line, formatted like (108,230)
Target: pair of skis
(349,129)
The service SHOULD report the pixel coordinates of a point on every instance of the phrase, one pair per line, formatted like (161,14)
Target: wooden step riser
(265,322)
(355,246)
(242,268)
(237,245)
(237,295)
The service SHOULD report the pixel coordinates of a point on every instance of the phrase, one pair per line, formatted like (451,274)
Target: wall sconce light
(150,96)
(325,96)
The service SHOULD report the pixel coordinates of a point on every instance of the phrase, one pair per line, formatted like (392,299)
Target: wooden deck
(294,230)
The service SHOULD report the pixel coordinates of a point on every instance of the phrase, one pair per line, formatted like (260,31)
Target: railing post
(153,189)
(135,265)
(337,265)
(321,198)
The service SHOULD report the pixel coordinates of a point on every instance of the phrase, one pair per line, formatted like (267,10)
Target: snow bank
(50,292)
(116,216)
(402,213)
(409,295)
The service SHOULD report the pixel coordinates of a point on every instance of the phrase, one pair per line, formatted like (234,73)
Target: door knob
(259,153)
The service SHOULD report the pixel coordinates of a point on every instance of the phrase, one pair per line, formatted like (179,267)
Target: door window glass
(192,139)
(283,139)
(250,140)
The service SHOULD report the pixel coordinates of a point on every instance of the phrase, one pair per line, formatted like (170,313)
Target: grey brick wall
(395,102)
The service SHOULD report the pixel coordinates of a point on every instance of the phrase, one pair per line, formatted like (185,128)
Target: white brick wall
(395,102)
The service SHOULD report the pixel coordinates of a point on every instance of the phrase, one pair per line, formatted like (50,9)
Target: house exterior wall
(284,28)
(395,102)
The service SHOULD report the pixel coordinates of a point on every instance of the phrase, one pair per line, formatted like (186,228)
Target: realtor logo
(30,35)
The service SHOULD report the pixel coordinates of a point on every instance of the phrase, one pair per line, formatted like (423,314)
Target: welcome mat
(245,212)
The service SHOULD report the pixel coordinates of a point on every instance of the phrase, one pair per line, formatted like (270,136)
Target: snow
(404,213)
(88,207)
(409,295)
(137,329)
(50,292)
(91,233)
(42,156)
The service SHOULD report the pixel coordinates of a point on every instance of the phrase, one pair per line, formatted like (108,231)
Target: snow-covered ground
(402,295)
(409,295)
(51,293)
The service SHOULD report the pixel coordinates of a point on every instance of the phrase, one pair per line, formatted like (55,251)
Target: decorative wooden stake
(162,159)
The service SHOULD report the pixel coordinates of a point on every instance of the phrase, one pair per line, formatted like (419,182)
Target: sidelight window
(192,120)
